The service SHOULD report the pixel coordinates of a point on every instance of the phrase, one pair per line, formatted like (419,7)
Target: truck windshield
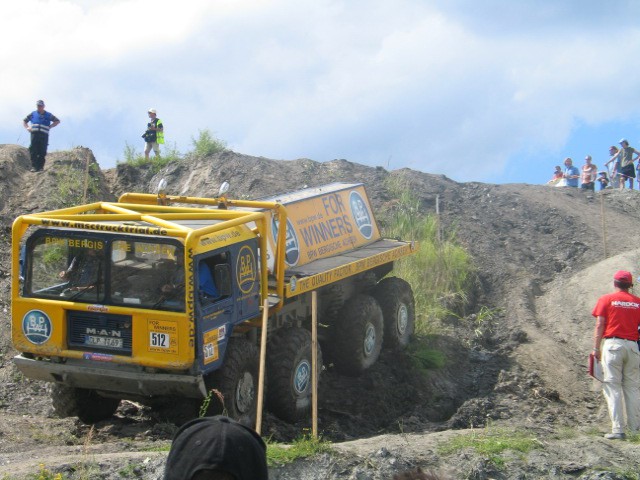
(139,273)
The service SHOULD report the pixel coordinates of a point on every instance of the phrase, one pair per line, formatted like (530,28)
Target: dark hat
(40,103)
(623,276)
(216,443)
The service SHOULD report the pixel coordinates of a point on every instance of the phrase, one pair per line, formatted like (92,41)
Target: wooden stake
(86,181)
(604,225)
(314,364)
(263,357)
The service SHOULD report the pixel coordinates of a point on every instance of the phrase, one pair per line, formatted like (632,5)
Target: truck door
(227,293)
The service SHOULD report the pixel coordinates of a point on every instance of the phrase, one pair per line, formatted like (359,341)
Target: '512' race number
(159,340)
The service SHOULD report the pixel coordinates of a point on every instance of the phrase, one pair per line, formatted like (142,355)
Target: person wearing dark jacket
(41,122)
(154,135)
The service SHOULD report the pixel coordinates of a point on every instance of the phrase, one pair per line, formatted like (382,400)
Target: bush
(207,144)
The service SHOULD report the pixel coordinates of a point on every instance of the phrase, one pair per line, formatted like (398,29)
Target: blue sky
(490,91)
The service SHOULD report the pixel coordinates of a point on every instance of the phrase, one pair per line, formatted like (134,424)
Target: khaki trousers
(621,385)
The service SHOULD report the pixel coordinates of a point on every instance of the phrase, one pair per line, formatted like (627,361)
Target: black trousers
(38,149)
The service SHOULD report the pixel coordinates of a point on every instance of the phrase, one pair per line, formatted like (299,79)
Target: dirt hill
(541,263)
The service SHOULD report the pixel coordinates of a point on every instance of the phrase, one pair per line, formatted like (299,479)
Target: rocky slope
(541,259)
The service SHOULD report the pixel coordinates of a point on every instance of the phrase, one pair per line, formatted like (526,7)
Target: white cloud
(461,88)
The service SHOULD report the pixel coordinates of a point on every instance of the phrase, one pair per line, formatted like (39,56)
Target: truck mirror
(222,277)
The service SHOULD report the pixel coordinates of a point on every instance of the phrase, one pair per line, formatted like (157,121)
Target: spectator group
(620,170)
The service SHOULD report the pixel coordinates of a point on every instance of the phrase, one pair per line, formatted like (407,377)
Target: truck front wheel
(237,380)
(357,335)
(398,309)
(85,404)
(289,373)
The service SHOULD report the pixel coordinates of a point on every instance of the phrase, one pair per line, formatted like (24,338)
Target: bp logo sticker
(361,214)
(36,326)
(302,377)
(292,247)
(246,270)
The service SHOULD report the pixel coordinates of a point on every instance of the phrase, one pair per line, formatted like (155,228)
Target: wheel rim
(403,319)
(369,339)
(245,393)
(302,377)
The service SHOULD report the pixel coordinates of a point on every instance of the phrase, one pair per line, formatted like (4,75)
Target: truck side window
(210,289)
(206,284)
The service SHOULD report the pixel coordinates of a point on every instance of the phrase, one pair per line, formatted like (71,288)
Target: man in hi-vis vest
(41,122)
(154,136)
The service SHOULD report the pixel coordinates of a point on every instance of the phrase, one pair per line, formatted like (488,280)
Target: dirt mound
(541,262)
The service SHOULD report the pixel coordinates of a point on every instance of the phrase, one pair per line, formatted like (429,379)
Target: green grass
(423,356)
(70,185)
(206,144)
(155,164)
(491,443)
(307,446)
(441,271)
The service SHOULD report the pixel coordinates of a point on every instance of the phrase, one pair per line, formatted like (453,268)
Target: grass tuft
(491,443)
(307,446)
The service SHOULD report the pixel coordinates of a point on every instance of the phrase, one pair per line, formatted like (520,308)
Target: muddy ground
(543,256)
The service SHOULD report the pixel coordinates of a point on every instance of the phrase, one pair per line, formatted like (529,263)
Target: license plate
(96,341)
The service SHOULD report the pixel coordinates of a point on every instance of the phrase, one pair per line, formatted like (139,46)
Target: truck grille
(99,332)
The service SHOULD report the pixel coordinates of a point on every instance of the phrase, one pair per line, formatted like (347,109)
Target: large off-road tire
(289,371)
(395,298)
(357,334)
(85,404)
(237,381)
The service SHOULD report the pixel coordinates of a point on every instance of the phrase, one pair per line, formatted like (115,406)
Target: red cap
(623,276)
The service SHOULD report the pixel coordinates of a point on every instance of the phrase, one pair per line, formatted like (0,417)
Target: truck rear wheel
(237,380)
(85,404)
(289,373)
(357,335)
(398,310)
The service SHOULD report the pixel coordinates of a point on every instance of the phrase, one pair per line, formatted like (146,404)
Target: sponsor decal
(222,333)
(97,357)
(104,227)
(361,214)
(312,282)
(37,327)
(76,242)
(292,246)
(97,308)
(620,303)
(220,237)
(246,270)
(302,377)
(210,351)
(163,336)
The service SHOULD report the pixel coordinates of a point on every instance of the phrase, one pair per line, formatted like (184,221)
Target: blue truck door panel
(216,318)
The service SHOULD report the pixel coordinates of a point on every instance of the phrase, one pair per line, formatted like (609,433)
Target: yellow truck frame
(185,346)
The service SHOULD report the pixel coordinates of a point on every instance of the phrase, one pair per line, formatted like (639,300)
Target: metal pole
(263,357)
(314,364)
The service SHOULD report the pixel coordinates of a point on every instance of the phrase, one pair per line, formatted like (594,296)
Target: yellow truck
(160,296)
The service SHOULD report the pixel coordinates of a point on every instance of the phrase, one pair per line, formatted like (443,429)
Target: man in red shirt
(615,343)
